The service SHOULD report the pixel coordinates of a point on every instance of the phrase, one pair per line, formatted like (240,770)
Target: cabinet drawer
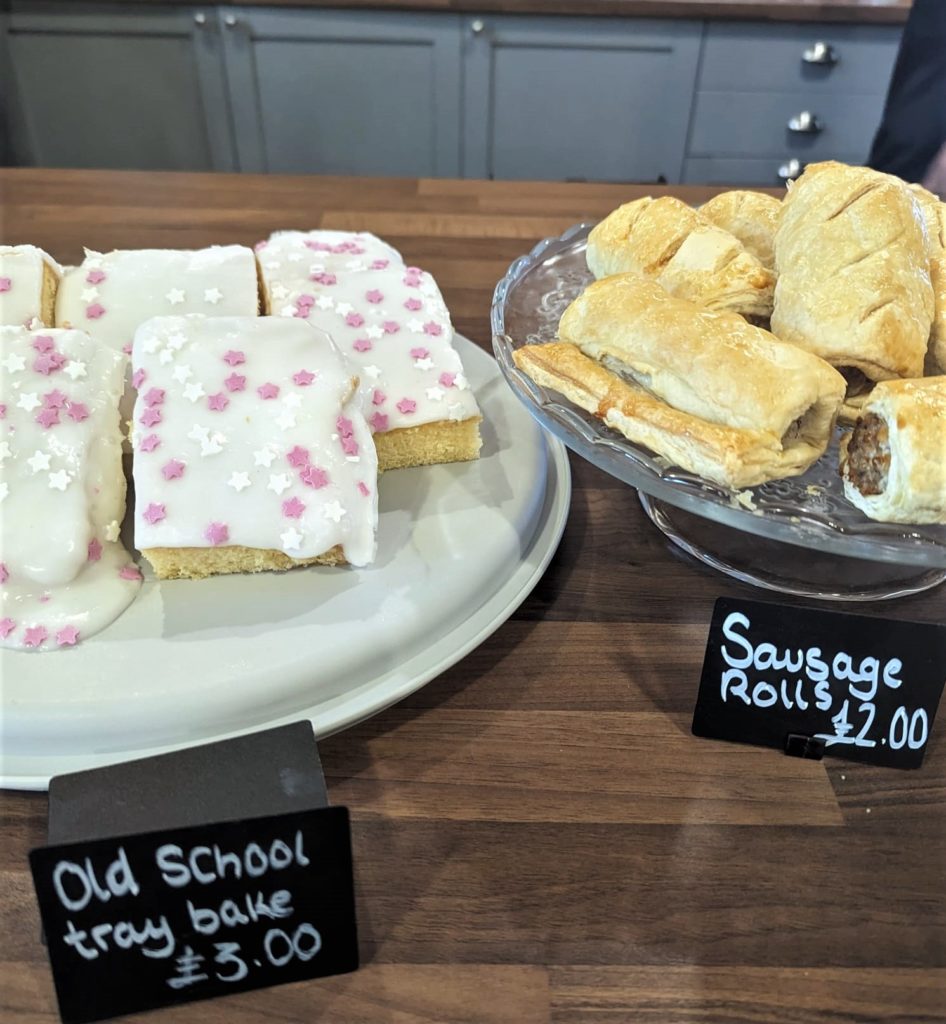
(756,125)
(712,170)
(771,57)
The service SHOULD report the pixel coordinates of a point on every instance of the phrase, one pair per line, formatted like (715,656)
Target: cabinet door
(576,98)
(344,92)
(102,85)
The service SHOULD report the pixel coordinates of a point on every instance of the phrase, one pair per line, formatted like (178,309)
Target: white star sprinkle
(292,400)
(291,539)
(294,257)
(278,482)
(435,394)
(278,292)
(74,369)
(14,363)
(150,344)
(264,457)
(333,510)
(355,264)
(372,371)
(213,296)
(181,373)
(343,308)
(424,364)
(455,411)
(28,401)
(272,265)
(198,433)
(194,391)
(175,296)
(460,382)
(374,332)
(38,461)
(113,530)
(288,311)
(325,301)
(415,326)
(5,452)
(285,421)
(93,259)
(165,356)
(59,480)
(176,341)
(88,294)
(213,445)
(239,481)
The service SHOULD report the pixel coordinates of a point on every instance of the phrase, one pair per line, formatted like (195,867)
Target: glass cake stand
(798,536)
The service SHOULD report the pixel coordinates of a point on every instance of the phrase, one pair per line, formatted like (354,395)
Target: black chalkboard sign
(792,678)
(143,921)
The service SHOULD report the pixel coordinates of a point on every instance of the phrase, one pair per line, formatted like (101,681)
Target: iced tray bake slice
(63,573)
(251,451)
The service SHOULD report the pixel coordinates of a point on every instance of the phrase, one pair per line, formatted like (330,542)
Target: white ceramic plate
(460,547)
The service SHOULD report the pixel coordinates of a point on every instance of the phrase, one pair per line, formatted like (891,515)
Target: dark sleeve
(913,127)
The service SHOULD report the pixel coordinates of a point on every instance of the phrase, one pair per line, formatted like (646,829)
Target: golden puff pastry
(705,389)
(751,216)
(853,275)
(934,216)
(893,463)
(689,256)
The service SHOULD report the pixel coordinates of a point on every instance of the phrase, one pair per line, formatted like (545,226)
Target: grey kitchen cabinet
(344,92)
(100,85)
(577,98)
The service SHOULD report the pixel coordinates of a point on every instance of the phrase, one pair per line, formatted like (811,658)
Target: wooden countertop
(883,12)
(537,835)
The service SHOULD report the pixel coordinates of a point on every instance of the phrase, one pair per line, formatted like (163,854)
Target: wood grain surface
(876,12)
(537,836)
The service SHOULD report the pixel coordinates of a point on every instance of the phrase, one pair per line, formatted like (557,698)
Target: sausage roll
(853,275)
(686,253)
(704,389)
(751,216)
(893,462)
(934,216)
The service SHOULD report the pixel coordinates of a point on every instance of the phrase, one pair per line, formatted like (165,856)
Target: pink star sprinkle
(303,378)
(234,357)
(172,470)
(77,411)
(149,443)
(6,627)
(68,636)
(95,276)
(48,362)
(138,378)
(305,301)
(259,247)
(5,285)
(217,402)
(54,399)
(4,573)
(379,422)
(129,572)
(293,508)
(154,513)
(363,488)
(391,326)
(217,533)
(268,390)
(126,348)
(406,405)
(151,417)
(43,343)
(235,382)
(323,278)
(155,396)
(379,264)
(314,477)
(431,328)
(47,418)
(317,246)
(95,549)
(412,282)
(374,296)
(45,599)
(414,271)
(354,320)
(95,311)
(419,353)
(33,636)
(349,446)
(362,345)
(413,305)
(298,457)
(344,426)
(379,397)
(3,411)
(447,379)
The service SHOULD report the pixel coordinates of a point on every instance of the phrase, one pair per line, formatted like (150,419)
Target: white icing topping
(253,448)
(21,283)
(61,472)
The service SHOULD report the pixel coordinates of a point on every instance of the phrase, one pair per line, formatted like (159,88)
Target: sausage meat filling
(868,455)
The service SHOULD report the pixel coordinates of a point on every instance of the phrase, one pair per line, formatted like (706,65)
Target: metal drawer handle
(806,122)
(790,170)
(820,53)
(200,19)
(231,21)
(477,26)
